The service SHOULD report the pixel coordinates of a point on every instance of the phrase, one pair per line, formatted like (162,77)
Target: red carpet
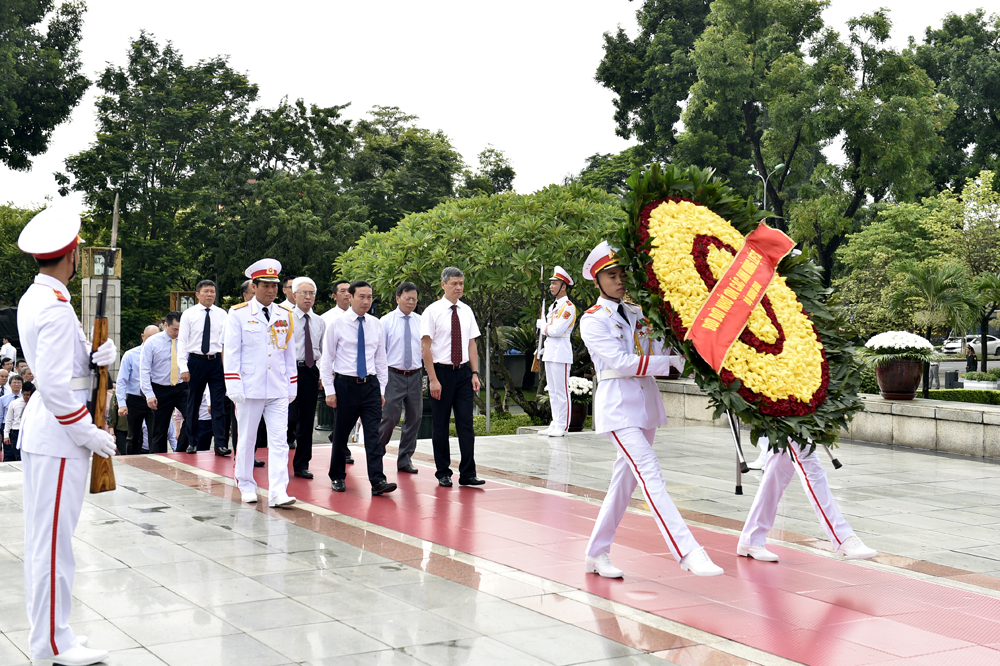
(808,608)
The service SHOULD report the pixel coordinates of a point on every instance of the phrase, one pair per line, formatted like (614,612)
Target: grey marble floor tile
(481,651)
(355,601)
(255,616)
(143,601)
(219,651)
(318,641)
(415,627)
(172,573)
(211,593)
(174,626)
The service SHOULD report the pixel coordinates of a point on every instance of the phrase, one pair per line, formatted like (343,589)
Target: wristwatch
(475,372)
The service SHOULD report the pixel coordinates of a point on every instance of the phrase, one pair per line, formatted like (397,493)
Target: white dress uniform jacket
(558,328)
(626,361)
(254,362)
(56,421)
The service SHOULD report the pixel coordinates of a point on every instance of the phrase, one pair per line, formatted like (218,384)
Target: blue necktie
(362,365)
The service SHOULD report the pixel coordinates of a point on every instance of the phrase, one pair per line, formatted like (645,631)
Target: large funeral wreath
(792,373)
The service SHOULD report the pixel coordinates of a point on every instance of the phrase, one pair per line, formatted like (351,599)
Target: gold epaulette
(241,305)
(594,309)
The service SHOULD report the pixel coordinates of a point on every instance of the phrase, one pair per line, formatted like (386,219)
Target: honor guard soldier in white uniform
(261,379)
(778,471)
(57,435)
(628,407)
(557,328)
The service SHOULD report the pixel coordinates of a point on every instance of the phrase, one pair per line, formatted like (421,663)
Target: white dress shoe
(283,501)
(700,564)
(855,549)
(544,433)
(557,433)
(248,498)
(756,552)
(75,656)
(82,640)
(602,566)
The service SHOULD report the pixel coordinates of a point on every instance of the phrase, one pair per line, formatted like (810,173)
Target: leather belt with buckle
(356,380)
(405,373)
(453,367)
(207,357)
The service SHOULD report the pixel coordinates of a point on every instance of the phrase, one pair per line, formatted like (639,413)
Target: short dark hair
(333,289)
(48,263)
(27,387)
(171,317)
(284,280)
(3,361)
(245,287)
(405,287)
(18,364)
(6,338)
(205,283)
(357,285)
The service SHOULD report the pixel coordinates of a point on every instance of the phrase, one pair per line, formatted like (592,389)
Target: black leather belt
(302,364)
(356,380)
(452,367)
(405,373)
(207,357)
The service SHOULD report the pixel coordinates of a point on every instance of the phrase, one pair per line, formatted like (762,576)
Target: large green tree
(19,268)
(40,79)
(963,58)
(499,242)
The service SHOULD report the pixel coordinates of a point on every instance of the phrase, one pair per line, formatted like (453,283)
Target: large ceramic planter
(577,416)
(899,380)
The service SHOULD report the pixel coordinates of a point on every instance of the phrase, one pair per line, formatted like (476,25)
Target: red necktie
(456,337)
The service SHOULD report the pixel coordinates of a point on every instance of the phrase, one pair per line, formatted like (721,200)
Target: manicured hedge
(979,396)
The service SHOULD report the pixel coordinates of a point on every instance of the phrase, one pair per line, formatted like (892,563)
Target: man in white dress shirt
(261,378)
(355,374)
(405,388)
(342,303)
(8,350)
(199,359)
(448,332)
(309,331)
(160,380)
(557,327)
(628,408)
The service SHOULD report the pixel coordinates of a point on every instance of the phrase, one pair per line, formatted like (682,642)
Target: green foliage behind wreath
(803,276)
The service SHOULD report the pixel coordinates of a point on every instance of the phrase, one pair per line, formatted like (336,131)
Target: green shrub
(869,384)
(500,424)
(991,375)
(979,396)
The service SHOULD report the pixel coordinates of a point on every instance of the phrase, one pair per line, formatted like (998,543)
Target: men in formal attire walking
(261,378)
(448,332)
(131,402)
(309,331)
(354,372)
(342,303)
(57,436)
(557,327)
(405,387)
(200,362)
(160,380)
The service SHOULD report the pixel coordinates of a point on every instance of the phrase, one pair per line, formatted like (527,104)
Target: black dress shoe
(471,481)
(304,474)
(191,449)
(445,482)
(224,451)
(292,446)
(258,463)
(383,487)
(348,460)
(339,487)
(409,469)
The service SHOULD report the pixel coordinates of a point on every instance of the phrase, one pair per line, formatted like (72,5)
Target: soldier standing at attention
(558,354)
(628,407)
(261,379)
(57,435)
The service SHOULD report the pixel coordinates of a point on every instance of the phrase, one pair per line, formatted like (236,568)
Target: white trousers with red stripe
(275,415)
(637,464)
(557,378)
(778,472)
(53,500)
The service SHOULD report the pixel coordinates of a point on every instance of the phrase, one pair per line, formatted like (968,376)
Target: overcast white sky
(517,74)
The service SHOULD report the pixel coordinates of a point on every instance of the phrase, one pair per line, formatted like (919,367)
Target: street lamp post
(764,179)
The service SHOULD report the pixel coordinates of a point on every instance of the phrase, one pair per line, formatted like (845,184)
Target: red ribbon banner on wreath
(725,314)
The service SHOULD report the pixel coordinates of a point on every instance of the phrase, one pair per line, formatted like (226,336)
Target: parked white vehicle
(954,345)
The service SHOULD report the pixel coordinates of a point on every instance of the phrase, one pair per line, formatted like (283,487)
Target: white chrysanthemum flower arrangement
(891,346)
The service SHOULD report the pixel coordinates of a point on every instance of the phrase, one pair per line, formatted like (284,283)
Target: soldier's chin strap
(600,289)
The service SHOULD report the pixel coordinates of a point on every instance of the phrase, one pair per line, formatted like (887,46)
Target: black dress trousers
(457,395)
(356,400)
(168,398)
(307,392)
(138,412)
(206,372)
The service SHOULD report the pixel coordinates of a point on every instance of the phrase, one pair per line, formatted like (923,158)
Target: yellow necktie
(175,375)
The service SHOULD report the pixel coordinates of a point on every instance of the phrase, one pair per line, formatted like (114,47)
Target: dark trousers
(168,398)
(204,435)
(457,395)
(357,400)
(121,440)
(10,451)
(138,412)
(304,408)
(206,372)
(333,434)
(403,391)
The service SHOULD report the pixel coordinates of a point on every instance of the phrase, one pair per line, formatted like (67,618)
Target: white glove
(540,324)
(106,354)
(101,443)
(238,398)
(291,398)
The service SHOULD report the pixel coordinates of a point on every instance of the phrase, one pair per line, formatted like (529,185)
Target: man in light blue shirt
(405,384)
(131,403)
(160,382)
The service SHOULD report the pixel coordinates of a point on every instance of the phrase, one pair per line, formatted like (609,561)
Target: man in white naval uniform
(628,408)
(557,327)
(261,379)
(778,471)
(57,435)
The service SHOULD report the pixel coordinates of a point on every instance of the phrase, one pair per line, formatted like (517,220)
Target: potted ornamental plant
(581,394)
(898,358)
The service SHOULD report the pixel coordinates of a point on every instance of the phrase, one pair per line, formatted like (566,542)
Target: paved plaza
(172,569)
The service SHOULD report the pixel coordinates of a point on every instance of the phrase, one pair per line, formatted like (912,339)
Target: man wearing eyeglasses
(308,331)
(405,387)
